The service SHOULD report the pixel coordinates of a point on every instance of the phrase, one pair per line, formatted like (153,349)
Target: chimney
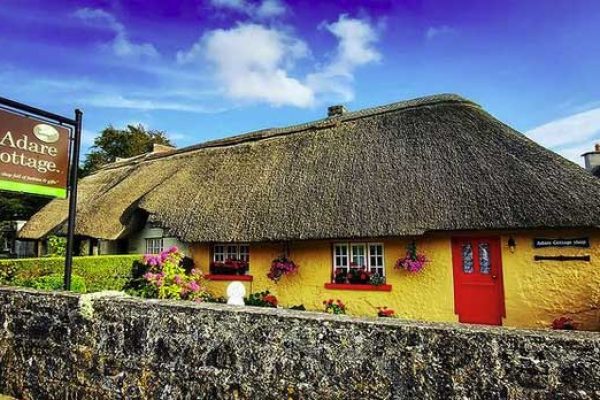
(336,111)
(592,158)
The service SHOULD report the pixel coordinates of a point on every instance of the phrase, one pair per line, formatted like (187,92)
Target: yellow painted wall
(535,292)
(428,295)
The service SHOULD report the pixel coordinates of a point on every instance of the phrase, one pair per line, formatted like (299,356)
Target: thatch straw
(433,164)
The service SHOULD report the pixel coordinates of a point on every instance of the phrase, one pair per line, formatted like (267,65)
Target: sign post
(39,155)
(76,143)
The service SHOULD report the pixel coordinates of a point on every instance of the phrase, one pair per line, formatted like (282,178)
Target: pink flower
(193,286)
(173,249)
(177,279)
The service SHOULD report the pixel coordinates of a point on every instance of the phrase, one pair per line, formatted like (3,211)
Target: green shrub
(261,299)
(55,282)
(99,272)
(57,246)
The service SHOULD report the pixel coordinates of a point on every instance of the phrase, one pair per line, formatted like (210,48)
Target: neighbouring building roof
(438,163)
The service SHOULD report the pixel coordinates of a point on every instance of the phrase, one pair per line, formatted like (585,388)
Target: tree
(113,143)
(110,144)
(19,205)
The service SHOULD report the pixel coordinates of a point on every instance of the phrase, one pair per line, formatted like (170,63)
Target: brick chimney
(336,111)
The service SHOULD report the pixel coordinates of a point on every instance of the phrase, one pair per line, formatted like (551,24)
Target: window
(340,259)
(484,258)
(358,255)
(467,258)
(234,252)
(244,253)
(154,245)
(376,258)
(219,253)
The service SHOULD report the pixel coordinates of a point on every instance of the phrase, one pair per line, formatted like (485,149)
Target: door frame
(500,273)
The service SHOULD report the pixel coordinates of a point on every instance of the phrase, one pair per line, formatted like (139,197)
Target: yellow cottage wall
(536,292)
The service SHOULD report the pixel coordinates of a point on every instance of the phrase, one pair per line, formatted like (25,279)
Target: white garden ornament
(235,293)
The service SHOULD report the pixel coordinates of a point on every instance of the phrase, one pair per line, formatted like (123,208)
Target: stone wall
(51,348)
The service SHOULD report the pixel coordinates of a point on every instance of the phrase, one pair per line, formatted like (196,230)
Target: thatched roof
(438,163)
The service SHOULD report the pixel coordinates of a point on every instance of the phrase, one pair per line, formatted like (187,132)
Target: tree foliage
(113,143)
(110,144)
(15,206)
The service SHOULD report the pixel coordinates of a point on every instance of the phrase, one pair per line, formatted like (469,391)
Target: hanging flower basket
(412,261)
(281,266)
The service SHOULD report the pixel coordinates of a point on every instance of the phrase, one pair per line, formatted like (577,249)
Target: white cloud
(255,62)
(434,31)
(572,129)
(121,45)
(144,103)
(261,10)
(356,39)
(270,8)
(574,153)
(251,61)
(356,47)
(180,95)
(239,5)
(570,136)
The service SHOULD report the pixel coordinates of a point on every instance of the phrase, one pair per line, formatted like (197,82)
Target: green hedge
(98,272)
(55,282)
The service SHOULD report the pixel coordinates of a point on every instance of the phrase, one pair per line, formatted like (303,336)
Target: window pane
(376,254)
(376,259)
(154,245)
(219,253)
(484,258)
(244,252)
(341,256)
(467,258)
(232,252)
(359,255)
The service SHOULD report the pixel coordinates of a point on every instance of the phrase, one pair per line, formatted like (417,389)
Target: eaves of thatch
(439,163)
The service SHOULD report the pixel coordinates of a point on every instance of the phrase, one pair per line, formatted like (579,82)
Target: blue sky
(204,69)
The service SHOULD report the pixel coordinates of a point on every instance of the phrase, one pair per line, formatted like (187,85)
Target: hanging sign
(579,242)
(34,155)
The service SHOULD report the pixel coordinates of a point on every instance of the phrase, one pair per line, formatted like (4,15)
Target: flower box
(229,277)
(354,286)
(359,276)
(229,267)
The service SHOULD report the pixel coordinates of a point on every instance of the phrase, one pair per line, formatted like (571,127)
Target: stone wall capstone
(148,349)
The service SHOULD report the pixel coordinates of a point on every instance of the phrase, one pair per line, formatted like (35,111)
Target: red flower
(564,323)
(385,312)
(271,299)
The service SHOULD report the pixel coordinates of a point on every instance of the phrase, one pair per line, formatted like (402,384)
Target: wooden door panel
(478,291)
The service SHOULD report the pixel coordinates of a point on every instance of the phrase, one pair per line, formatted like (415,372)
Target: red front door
(478,290)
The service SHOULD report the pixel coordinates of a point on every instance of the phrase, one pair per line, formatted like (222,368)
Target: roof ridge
(322,123)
